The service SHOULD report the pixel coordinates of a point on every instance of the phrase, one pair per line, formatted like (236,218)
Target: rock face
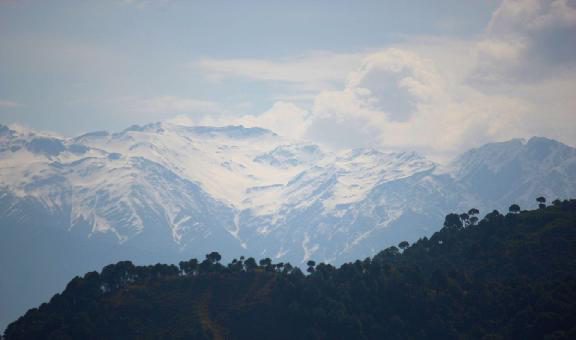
(164,192)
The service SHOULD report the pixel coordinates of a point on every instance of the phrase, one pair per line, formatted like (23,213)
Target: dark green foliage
(213,257)
(505,277)
(473,220)
(473,212)
(250,264)
(465,218)
(541,202)
(514,209)
(403,245)
(311,264)
(472,216)
(453,221)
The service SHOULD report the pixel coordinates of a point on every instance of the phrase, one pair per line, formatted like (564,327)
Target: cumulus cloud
(515,17)
(528,40)
(441,97)
(400,99)
(284,118)
(435,96)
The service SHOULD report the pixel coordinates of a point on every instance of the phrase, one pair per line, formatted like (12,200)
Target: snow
(184,175)
(247,169)
(309,250)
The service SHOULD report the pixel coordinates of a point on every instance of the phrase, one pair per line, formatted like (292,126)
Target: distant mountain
(164,192)
(516,171)
(508,276)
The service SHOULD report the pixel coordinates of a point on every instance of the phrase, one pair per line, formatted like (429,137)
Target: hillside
(506,276)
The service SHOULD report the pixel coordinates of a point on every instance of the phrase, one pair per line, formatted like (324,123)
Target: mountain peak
(498,152)
(546,143)
(145,128)
(539,139)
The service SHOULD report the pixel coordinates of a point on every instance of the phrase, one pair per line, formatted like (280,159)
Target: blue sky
(432,76)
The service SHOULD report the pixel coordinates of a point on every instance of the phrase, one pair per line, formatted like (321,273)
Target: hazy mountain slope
(518,171)
(509,276)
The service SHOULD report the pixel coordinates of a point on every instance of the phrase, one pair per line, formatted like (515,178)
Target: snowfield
(272,196)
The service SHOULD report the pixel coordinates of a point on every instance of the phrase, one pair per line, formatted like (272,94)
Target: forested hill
(507,276)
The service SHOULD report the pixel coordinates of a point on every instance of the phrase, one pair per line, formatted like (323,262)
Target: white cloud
(285,119)
(399,99)
(312,71)
(528,40)
(515,17)
(427,96)
(506,51)
(436,96)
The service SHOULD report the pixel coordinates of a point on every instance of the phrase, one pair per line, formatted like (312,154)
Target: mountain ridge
(182,191)
(262,185)
(505,276)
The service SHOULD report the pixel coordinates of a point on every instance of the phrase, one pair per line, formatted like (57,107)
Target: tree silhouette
(389,252)
(403,245)
(493,216)
(514,209)
(465,218)
(279,266)
(250,264)
(311,265)
(213,257)
(236,266)
(473,211)
(189,267)
(453,221)
(266,264)
(472,215)
(287,268)
(541,202)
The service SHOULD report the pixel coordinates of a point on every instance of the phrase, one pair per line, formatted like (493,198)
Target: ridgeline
(507,276)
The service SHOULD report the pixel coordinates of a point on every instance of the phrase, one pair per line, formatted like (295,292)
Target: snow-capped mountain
(514,171)
(164,192)
(261,192)
(203,184)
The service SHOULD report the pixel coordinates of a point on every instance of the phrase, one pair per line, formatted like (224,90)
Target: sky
(437,77)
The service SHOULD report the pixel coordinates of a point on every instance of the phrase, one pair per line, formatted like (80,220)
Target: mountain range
(165,192)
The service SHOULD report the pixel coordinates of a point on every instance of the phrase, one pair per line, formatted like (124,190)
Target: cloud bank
(438,96)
